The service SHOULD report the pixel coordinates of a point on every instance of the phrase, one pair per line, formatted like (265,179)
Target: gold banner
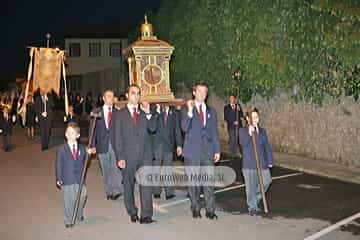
(47,69)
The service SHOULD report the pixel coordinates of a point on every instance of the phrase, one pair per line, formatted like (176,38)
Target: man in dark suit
(165,140)
(201,147)
(103,130)
(233,115)
(44,115)
(131,142)
(6,125)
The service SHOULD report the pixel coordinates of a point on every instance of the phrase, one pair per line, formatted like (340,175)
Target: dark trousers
(45,132)
(163,158)
(129,187)
(200,166)
(6,141)
(233,142)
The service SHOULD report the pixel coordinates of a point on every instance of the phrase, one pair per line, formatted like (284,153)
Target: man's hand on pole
(216,157)
(121,164)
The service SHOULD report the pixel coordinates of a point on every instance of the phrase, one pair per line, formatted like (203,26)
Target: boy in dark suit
(201,147)
(252,187)
(6,122)
(70,159)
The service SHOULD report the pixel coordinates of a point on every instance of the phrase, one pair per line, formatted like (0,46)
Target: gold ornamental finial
(146,29)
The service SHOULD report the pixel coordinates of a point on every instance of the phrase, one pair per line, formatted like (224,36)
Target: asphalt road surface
(302,206)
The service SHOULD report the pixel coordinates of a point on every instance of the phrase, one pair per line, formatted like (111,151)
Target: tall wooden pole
(93,116)
(258,166)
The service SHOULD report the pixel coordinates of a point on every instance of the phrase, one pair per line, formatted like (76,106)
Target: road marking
(160,209)
(308,186)
(333,227)
(226,189)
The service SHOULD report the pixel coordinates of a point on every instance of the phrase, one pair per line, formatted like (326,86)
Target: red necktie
(135,116)
(165,115)
(233,107)
(109,117)
(201,115)
(74,152)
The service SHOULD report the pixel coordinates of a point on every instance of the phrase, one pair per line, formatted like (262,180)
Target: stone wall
(330,132)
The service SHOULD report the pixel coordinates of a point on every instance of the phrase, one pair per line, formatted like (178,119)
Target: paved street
(300,205)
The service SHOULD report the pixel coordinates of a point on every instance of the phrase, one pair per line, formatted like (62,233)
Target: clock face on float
(152,74)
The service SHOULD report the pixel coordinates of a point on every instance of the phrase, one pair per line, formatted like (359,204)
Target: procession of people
(140,134)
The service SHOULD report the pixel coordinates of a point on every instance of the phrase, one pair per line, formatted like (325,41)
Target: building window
(74,82)
(94,50)
(74,49)
(115,49)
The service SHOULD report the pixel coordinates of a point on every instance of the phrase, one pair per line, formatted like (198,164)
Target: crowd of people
(138,134)
(78,108)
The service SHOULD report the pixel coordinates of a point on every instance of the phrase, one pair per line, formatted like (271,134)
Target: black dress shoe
(254,212)
(146,220)
(116,196)
(211,215)
(170,196)
(196,214)
(68,225)
(108,197)
(134,218)
(156,195)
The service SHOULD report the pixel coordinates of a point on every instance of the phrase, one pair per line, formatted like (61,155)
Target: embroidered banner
(47,69)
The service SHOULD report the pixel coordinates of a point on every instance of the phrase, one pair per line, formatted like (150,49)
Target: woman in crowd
(30,117)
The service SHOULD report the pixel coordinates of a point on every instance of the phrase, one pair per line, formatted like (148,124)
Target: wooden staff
(93,116)
(237,120)
(258,167)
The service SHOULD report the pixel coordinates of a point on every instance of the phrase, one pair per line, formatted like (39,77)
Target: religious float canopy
(148,59)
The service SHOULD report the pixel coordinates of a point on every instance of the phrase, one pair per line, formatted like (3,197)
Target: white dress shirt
(131,110)
(203,108)
(71,145)
(106,112)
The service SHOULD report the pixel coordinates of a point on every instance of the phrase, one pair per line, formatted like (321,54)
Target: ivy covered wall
(308,48)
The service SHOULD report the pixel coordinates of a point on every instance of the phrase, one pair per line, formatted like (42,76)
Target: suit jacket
(263,147)
(6,126)
(132,143)
(40,107)
(168,133)
(102,135)
(197,137)
(230,116)
(67,169)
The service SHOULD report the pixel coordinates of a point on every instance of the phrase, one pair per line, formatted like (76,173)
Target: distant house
(94,59)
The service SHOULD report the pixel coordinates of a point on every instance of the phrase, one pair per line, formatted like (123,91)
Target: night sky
(25,23)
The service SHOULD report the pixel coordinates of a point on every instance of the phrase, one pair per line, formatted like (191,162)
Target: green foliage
(308,47)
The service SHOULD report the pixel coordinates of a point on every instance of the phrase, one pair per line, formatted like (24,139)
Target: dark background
(25,23)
